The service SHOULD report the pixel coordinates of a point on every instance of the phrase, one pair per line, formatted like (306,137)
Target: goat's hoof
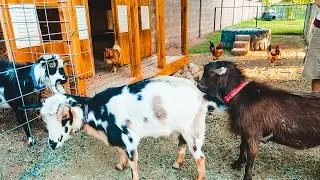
(200,178)
(32,142)
(121,167)
(177,165)
(237,165)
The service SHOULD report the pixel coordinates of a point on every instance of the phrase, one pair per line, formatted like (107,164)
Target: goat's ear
(31,106)
(220,71)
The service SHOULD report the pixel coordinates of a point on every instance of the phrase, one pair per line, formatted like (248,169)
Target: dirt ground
(86,158)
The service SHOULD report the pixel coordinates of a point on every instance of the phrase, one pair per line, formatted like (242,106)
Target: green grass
(204,47)
(279,27)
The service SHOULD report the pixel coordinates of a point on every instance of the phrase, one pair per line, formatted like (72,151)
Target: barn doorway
(101,29)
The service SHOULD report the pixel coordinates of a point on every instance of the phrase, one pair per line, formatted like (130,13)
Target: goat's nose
(52,144)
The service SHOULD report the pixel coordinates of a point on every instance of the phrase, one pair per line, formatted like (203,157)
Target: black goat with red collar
(258,112)
(28,80)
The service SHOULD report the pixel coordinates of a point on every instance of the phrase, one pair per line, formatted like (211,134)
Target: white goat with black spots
(122,116)
(32,78)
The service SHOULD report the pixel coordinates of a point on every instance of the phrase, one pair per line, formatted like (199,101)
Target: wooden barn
(80,30)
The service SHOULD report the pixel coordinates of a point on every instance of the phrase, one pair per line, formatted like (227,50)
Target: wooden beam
(161,33)
(134,40)
(75,47)
(184,27)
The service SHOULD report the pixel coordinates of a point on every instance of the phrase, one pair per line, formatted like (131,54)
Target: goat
(258,112)
(46,72)
(121,116)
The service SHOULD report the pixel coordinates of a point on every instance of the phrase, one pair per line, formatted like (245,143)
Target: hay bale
(241,44)
(239,51)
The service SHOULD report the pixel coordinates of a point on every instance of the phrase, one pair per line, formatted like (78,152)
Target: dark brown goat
(258,112)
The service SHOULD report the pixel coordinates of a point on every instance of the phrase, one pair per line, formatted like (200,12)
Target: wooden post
(75,47)
(184,27)
(134,40)
(161,33)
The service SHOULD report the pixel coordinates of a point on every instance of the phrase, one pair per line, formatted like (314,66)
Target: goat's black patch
(139,97)
(101,99)
(131,155)
(64,122)
(125,129)
(137,87)
(213,99)
(130,139)
(66,129)
(194,148)
(61,71)
(60,139)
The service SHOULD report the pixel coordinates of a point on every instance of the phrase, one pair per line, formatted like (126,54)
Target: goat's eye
(52,65)
(64,116)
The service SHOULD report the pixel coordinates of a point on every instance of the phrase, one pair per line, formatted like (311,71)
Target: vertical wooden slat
(75,46)
(161,33)
(7,30)
(134,40)
(184,27)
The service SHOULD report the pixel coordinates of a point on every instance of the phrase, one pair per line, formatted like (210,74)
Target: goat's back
(157,106)
(293,119)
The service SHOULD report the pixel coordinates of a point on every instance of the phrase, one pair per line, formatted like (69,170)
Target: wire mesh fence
(30,30)
(291,15)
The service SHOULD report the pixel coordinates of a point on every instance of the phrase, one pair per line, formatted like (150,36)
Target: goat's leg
(123,164)
(252,151)
(133,162)
(195,143)
(196,150)
(181,152)
(23,120)
(238,164)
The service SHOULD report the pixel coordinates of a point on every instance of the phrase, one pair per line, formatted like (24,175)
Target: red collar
(234,92)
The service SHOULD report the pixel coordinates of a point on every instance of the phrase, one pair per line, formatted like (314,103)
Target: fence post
(257,16)
(200,17)
(234,6)
(214,19)
(221,14)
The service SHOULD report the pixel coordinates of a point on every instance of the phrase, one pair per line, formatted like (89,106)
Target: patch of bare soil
(86,158)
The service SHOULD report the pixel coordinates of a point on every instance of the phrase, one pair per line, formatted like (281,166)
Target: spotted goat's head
(51,72)
(62,115)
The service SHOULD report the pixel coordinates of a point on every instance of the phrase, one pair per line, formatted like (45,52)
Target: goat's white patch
(3,101)
(220,71)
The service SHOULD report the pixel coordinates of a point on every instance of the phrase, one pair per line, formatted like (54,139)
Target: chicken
(216,51)
(112,57)
(274,55)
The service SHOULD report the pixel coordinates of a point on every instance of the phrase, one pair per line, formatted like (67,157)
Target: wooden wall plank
(145,35)
(123,37)
(161,33)
(134,40)
(184,27)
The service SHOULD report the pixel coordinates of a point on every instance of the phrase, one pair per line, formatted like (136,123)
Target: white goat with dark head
(32,77)
(122,116)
